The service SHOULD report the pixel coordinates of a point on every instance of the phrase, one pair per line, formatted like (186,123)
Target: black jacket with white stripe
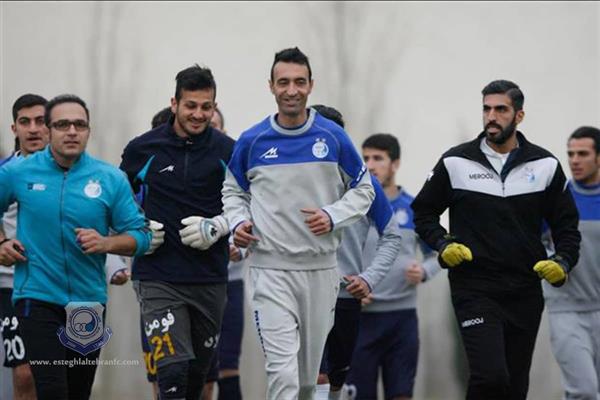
(498,216)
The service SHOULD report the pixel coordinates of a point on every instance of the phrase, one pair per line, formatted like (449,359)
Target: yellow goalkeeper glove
(551,271)
(455,253)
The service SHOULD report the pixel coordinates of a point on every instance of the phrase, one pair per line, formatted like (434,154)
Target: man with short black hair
(82,198)
(31,135)
(574,309)
(361,276)
(182,281)
(388,341)
(499,189)
(293,182)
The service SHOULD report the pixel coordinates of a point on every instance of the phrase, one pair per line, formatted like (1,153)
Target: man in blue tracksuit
(67,202)
(388,342)
(180,167)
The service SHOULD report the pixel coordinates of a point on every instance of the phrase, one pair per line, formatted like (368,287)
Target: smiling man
(67,202)
(499,189)
(179,169)
(293,182)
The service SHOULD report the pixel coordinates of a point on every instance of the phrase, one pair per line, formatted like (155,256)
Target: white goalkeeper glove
(201,233)
(158,236)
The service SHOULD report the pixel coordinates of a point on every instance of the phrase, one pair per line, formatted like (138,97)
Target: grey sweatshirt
(383,222)
(395,293)
(581,292)
(274,172)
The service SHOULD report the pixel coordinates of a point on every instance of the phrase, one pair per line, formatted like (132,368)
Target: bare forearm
(124,245)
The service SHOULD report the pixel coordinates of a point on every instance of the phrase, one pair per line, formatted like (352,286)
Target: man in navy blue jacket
(181,282)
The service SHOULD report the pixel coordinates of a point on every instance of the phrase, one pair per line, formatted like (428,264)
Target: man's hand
(158,236)
(11,252)
(414,274)
(455,253)
(235,254)
(551,271)
(91,242)
(201,233)
(120,277)
(318,221)
(357,287)
(367,300)
(242,235)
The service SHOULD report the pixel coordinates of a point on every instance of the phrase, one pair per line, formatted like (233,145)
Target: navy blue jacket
(179,178)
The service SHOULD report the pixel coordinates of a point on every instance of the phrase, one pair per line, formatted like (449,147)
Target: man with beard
(499,189)
(181,283)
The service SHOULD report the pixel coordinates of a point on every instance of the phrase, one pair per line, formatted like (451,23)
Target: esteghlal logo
(529,175)
(471,322)
(402,216)
(320,149)
(92,189)
(479,175)
(271,153)
(85,331)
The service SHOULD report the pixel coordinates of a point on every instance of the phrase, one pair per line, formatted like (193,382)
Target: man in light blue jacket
(67,202)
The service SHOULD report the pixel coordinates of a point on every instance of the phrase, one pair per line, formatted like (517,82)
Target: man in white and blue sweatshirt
(574,308)
(293,182)
(389,335)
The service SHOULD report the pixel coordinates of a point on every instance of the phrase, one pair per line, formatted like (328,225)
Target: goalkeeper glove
(158,236)
(455,253)
(552,271)
(201,233)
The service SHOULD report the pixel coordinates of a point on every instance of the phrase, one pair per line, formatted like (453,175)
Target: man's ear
(520,116)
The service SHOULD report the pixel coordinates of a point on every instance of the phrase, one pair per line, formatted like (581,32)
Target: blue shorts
(389,340)
(341,341)
(230,342)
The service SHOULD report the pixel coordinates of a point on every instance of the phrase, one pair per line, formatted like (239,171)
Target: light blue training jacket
(52,202)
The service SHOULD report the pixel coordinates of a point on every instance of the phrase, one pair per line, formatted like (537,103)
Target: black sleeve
(561,214)
(131,164)
(433,199)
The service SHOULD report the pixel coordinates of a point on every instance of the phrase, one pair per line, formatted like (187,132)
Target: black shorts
(181,321)
(12,340)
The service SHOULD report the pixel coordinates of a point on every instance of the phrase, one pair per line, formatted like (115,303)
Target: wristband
(4,241)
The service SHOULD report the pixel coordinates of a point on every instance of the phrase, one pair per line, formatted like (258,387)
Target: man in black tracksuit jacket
(179,168)
(499,189)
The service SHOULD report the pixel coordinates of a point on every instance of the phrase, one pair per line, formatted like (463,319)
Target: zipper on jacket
(62,235)
(188,143)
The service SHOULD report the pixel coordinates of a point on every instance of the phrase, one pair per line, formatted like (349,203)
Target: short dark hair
(588,132)
(508,88)
(61,99)
(384,142)
(292,55)
(194,78)
(26,101)
(161,117)
(330,113)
